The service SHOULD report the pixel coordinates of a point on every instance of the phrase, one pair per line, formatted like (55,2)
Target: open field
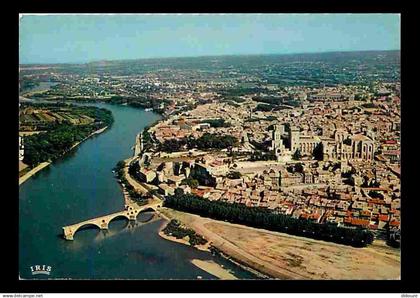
(289,257)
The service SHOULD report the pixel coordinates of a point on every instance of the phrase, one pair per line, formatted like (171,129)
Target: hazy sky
(84,38)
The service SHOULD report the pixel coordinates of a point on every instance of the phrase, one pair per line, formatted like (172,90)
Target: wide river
(81,185)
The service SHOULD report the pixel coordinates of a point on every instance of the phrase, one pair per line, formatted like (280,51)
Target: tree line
(205,142)
(217,122)
(53,143)
(263,218)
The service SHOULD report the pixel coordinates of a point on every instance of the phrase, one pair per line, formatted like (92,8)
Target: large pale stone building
(342,147)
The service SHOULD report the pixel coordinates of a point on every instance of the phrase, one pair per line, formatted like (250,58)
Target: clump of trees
(264,218)
(175,229)
(264,107)
(172,145)
(119,173)
(318,152)
(217,122)
(234,175)
(60,138)
(275,100)
(212,141)
(297,155)
(205,142)
(191,182)
(295,168)
(259,155)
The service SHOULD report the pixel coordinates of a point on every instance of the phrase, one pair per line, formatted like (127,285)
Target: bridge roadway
(102,222)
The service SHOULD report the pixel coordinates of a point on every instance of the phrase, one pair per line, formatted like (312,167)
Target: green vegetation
(216,122)
(295,168)
(234,99)
(193,183)
(26,84)
(119,173)
(297,155)
(205,142)
(263,218)
(240,91)
(234,175)
(376,195)
(264,107)
(273,100)
(369,105)
(210,141)
(318,152)
(61,137)
(175,229)
(172,145)
(268,118)
(147,140)
(259,155)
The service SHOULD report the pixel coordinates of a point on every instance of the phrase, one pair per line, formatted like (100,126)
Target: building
(147,175)
(21,148)
(342,147)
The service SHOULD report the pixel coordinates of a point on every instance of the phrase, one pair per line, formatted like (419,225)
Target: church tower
(294,138)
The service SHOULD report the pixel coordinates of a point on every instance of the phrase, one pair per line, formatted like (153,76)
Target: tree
(264,218)
(297,155)
(193,183)
(318,152)
(234,175)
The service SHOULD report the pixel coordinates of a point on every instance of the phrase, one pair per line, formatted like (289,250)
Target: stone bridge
(102,222)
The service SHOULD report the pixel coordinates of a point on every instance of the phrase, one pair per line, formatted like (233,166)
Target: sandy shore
(214,269)
(206,265)
(284,256)
(44,164)
(33,171)
(204,247)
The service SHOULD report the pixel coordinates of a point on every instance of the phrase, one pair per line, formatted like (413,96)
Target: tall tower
(294,138)
(277,142)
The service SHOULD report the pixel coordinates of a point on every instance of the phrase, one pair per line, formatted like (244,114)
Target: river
(81,185)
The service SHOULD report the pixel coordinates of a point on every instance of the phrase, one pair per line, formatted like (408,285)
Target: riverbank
(206,265)
(89,136)
(33,172)
(204,247)
(285,256)
(185,240)
(45,164)
(214,269)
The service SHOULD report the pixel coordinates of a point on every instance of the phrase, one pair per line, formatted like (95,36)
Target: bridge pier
(104,225)
(68,233)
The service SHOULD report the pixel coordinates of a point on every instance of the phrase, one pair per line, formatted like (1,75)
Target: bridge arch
(147,209)
(144,210)
(119,216)
(83,226)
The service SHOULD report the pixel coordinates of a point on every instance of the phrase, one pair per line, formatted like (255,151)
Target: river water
(81,185)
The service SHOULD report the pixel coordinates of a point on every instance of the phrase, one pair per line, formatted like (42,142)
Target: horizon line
(204,56)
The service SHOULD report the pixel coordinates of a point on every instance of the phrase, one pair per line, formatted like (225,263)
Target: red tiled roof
(359,222)
(383,217)
(198,192)
(395,223)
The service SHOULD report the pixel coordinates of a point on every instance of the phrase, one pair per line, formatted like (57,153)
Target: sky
(86,38)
